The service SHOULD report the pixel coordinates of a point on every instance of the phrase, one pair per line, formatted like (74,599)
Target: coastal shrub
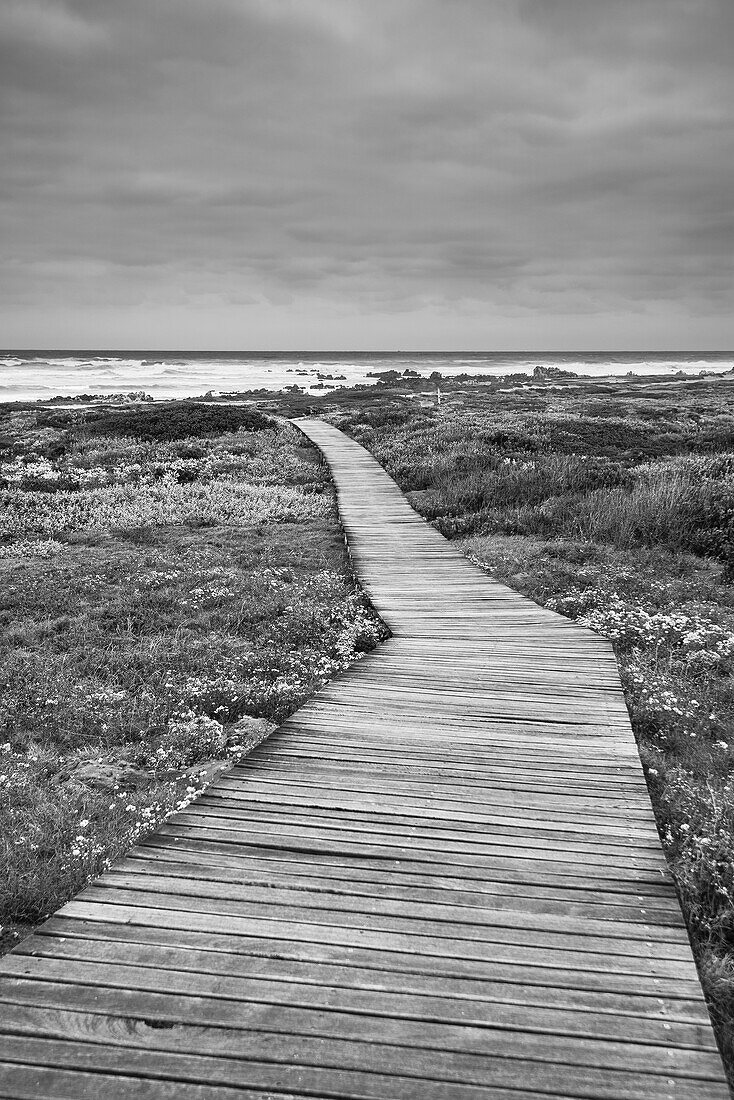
(482,474)
(229,500)
(685,501)
(602,436)
(649,511)
(176,420)
(187,738)
(101,484)
(506,431)
(188,634)
(269,457)
(492,482)
(708,520)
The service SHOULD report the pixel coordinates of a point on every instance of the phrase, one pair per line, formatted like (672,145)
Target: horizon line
(383,351)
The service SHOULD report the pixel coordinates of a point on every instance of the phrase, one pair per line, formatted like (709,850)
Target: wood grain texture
(440,879)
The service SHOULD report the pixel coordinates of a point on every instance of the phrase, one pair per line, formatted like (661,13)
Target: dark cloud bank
(380,173)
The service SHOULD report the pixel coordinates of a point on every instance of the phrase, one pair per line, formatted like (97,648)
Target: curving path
(439,880)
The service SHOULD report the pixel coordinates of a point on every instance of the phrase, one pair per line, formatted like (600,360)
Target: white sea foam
(38,375)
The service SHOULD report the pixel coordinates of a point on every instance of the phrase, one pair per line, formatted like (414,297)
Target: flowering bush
(703,644)
(31,548)
(24,514)
(699,837)
(187,738)
(101,484)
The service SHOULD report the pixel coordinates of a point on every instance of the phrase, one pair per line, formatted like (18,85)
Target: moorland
(174,582)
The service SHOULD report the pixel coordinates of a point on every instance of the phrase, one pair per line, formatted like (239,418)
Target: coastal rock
(248,732)
(205,772)
(106,775)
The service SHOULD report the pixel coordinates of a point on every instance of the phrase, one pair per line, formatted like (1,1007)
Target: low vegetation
(617,510)
(173,585)
(166,597)
(176,421)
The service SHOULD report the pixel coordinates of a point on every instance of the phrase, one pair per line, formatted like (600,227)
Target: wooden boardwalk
(439,880)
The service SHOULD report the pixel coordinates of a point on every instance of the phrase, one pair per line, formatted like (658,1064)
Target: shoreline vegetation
(613,504)
(174,583)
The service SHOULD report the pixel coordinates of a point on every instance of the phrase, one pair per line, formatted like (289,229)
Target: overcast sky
(415,174)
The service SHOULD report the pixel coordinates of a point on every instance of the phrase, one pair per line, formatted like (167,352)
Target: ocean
(30,375)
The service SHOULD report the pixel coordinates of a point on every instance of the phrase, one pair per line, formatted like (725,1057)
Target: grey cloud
(466,158)
(48,26)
